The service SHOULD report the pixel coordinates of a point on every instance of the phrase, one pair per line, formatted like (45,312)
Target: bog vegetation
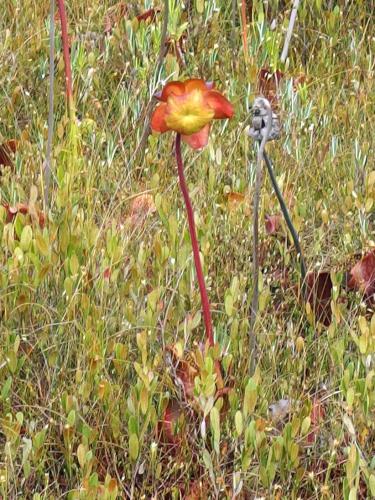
(108,388)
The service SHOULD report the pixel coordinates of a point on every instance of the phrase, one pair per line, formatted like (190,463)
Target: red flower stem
(197,260)
(65,45)
(194,244)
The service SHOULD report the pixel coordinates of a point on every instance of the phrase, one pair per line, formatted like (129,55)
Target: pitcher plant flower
(188,109)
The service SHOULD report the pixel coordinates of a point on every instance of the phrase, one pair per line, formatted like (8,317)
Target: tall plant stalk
(150,106)
(66,55)
(197,261)
(194,243)
(289,33)
(47,166)
(289,223)
(258,186)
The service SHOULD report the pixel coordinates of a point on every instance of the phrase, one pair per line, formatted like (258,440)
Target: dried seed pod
(259,122)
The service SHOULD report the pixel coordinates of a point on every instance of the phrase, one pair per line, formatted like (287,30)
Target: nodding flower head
(188,108)
(260,119)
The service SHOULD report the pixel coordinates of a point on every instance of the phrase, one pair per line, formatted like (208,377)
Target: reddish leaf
(268,83)
(107,24)
(107,273)
(317,414)
(319,287)
(184,370)
(149,14)
(168,425)
(235,200)
(186,375)
(114,15)
(197,490)
(362,275)
(141,207)
(299,80)
(41,219)
(22,208)
(273,223)
(6,151)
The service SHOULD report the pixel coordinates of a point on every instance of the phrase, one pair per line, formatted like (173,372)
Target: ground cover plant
(108,385)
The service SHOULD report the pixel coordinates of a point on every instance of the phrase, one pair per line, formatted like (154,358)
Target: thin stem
(47,168)
(289,33)
(197,260)
(194,243)
(163,37)
(288,221)
(159,64)
(244,30)
(65,45)
(258,186)
(234,19)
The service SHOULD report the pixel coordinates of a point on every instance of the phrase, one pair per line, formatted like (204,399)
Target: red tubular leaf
(171,416)
(149,14)
(268,83)
(363,275)
(22,208)
(6,151)
(318,288)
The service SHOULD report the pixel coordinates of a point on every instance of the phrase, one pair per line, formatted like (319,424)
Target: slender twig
(288,221)
(66,54)
(234,19)
(289,33)
(163,37)
(197,261)
(258,186)
(244,30)
(47,164)
(159,64)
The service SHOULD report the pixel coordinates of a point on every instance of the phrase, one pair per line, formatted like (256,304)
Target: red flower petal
(172,88)
(196,84)
(158,123)
(198,140)
(220,104)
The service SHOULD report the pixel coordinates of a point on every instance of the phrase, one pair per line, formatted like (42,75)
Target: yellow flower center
(188,113)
